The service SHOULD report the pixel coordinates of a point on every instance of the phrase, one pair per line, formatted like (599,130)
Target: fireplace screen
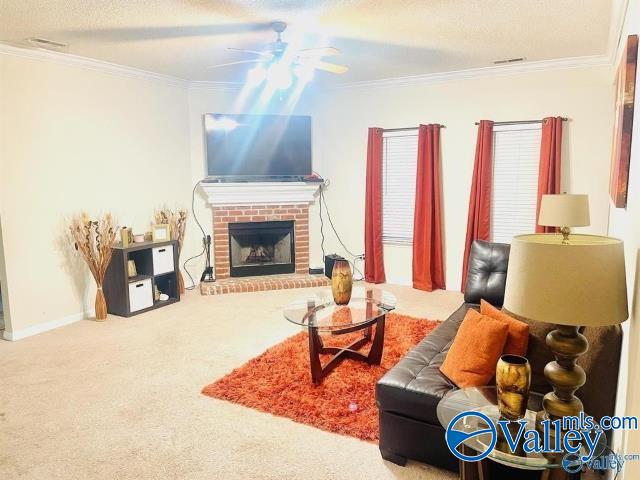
(261,248)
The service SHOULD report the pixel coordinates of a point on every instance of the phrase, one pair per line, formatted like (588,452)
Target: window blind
(516,157)
(399,163)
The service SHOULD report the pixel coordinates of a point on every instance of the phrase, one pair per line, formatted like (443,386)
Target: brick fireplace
(250,237)
(223,217)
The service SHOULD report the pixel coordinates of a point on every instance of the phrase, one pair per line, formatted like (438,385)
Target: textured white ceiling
(378,38)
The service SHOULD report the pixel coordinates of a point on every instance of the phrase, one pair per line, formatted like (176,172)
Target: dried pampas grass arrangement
(93,239)
(177,222)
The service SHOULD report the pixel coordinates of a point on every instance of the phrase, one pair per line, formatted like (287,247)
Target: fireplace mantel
(259,193)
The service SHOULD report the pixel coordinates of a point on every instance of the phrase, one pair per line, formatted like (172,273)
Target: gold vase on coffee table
(341,282)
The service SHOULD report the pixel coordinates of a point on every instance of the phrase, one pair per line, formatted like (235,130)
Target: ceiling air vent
(48,44)
(510,60)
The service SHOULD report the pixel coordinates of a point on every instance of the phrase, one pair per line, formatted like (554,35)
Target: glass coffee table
(321,316)
(477,437)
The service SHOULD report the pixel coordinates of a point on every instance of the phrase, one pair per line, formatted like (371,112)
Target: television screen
(258,145)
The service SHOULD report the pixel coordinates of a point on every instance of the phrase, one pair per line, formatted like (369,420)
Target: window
(516,157)
(399,163)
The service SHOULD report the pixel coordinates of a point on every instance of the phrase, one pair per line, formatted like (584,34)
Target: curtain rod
(405,129)
(518,122)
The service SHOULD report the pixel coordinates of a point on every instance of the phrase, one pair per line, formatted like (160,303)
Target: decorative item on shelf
(163,297)
(581,283)
(156,293)
(177,222)
(132,271)
(138,238)
(94,239)
(513,379)
(341,282)
(126,237)
(160,232)
(565,211)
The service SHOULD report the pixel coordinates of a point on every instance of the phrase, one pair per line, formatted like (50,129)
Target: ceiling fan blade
(266,53)
(330,67)
(318,52)
(32,45)
(255,60)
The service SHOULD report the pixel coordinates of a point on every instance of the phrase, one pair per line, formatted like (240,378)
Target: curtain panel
(550,164)
(479,216)
(373,250)
(428,265)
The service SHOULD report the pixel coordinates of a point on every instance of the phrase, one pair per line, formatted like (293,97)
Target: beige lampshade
(564,210)
(578,284)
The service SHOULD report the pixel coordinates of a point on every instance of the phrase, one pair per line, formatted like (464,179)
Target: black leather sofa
(408,394)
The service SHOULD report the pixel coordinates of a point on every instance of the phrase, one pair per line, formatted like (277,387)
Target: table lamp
(581,283)
(565,211)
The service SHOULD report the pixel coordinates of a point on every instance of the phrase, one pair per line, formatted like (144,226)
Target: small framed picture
(160,232)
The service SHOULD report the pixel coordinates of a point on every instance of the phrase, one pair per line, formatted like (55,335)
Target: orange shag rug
(279,380)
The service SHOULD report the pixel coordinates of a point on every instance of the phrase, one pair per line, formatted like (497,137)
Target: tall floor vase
(101,305)
(93,240)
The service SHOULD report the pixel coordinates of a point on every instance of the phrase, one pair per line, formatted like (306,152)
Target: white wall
(341,118)
(77,138)
(625,224)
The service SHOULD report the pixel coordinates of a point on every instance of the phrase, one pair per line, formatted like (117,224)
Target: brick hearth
(263,283)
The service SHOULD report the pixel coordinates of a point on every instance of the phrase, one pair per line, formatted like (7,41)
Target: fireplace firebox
(261,248)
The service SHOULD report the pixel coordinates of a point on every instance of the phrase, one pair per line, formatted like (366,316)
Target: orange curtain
(373,255)
(428,266)
(550,164)
(479,217)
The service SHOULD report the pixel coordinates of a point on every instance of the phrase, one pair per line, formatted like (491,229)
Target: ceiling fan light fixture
(304,72)
(279,76)
(256,75)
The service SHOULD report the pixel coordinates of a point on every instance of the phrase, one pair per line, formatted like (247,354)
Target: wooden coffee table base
(317,348)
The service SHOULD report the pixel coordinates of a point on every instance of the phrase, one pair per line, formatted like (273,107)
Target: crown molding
(493,71)
(90,64)
(498,70)
(114,68)
(616,30)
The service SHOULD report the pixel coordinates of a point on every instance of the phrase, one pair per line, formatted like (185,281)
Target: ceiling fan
(275,51)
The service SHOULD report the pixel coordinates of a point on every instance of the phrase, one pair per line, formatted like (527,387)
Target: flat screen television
(254,147)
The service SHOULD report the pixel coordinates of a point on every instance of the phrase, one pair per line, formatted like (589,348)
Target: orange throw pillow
(472,358)
(518,337)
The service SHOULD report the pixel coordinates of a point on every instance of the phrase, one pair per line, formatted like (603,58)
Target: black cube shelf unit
(156,264)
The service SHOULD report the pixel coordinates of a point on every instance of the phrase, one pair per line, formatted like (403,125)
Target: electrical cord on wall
(322,202)
(204,236)
(321,225)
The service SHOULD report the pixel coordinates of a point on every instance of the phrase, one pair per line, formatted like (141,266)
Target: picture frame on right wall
(623,125)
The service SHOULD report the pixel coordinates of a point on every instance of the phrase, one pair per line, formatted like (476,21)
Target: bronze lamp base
(564,375)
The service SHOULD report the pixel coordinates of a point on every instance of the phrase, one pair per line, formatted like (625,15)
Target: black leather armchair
(408,394)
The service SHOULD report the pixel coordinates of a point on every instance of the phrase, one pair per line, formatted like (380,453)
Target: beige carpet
(121,399)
